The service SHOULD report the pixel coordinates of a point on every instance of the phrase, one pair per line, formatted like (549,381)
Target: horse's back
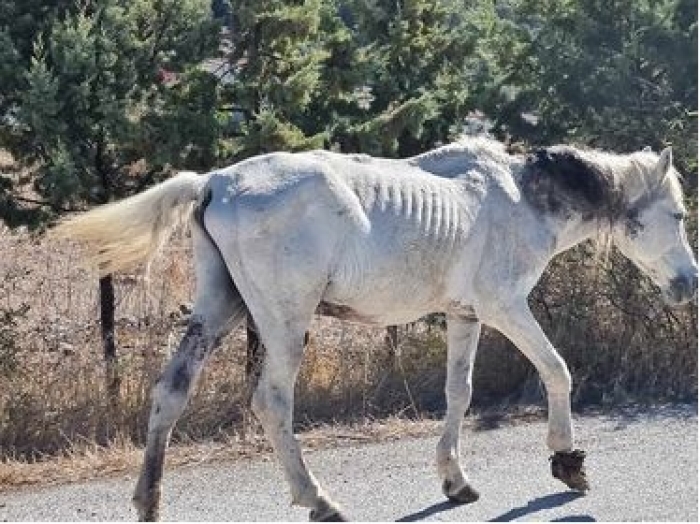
(381,232)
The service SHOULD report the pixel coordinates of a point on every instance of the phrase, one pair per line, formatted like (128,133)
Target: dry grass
(57,422)
(51,368)
(87,460)
(84,461)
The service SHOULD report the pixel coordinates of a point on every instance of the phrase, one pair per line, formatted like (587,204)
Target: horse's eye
(679,216)
(633,214)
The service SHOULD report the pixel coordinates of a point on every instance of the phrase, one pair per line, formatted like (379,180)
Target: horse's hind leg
(462,340)
(218,308)
(272,403)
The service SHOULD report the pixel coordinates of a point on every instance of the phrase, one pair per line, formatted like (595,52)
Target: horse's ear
(665,162)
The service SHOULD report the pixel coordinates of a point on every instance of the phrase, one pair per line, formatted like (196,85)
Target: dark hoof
(465,495)
(326,511)
(150,515)
(148,512)
(567,466)
(332,516)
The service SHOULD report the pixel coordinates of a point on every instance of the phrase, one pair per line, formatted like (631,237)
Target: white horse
(466,230)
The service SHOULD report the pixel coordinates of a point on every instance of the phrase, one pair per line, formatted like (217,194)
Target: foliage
(10,348)
(277,53)
(382,77)
(84,98)
(415,54)
(618,75)
(99,99)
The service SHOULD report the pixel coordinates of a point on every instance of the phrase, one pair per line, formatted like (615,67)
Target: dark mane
(559,181)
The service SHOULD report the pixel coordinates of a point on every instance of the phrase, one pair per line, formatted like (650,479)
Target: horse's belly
(385,294)
(370,316)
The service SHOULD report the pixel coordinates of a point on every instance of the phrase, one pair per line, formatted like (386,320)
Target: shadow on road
(546,502)
(533,506)
(538,504)
(430,510)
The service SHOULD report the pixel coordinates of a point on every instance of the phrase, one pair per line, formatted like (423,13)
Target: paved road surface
(642,465)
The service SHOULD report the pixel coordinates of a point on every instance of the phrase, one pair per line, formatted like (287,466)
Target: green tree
(381,77)
(618,75)
(415,58)
(277,53)
(90,88)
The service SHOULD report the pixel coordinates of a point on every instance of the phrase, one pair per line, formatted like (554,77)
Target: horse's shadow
(534,505)
(430,510)
(546,502)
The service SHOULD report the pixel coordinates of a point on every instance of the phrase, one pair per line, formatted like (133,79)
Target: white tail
(125,233)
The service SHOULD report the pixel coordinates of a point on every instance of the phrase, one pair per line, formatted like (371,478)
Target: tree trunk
(391,339)
(109,348)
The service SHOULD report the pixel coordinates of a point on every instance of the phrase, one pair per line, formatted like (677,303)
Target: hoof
(567,466)
(332,516)
(464,495)
(147,511)
(326,512)
(150,515)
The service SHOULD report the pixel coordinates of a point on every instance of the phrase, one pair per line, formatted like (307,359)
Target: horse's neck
(571,232)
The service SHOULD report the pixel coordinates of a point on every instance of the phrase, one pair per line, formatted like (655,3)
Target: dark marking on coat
(194,333)
(181,378)
(632,223)
(557,181)
(147,497)
(342,312)
(255,357)
(190,348)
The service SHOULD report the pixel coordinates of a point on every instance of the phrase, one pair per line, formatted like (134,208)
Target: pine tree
(417,56)
(276,61)
(83,97)
(618,75)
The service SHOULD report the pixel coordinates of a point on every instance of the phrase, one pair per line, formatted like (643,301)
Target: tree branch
(45,203)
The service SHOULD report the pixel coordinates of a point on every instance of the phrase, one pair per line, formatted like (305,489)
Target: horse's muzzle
(682,289)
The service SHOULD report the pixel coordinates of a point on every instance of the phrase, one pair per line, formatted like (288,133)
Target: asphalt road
(643,465)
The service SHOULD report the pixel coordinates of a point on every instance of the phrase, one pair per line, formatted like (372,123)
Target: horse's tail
(122,234)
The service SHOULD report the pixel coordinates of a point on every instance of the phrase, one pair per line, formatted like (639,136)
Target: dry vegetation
(54,410)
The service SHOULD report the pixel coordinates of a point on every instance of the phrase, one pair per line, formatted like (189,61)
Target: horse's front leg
(462,340)
(520,326)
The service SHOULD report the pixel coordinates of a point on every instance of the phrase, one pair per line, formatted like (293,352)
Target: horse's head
(651,233)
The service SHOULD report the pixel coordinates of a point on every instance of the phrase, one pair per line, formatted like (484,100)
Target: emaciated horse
(466,229)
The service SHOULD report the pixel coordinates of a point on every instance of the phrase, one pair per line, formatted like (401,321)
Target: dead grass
(56,420)
(53,378)
(84,461)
